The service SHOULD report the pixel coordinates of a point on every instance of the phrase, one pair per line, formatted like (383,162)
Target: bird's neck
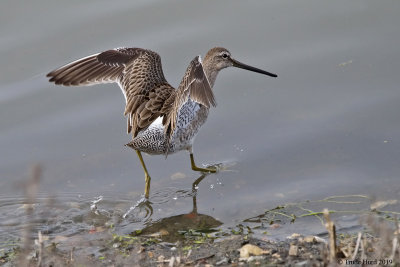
(211,74)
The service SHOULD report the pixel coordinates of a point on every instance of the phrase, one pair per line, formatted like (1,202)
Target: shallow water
(328,125)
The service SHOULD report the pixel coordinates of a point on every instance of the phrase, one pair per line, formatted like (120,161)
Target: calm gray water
(328,125)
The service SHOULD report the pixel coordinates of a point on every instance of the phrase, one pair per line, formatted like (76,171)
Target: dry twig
(330,226)
(357,246)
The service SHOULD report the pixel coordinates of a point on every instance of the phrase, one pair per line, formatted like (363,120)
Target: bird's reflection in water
(168,228)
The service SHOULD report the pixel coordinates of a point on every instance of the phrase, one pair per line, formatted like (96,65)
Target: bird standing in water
(161,119)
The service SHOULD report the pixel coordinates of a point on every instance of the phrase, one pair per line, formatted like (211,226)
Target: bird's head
(219,58)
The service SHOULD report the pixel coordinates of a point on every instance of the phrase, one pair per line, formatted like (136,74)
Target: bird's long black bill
(238,64)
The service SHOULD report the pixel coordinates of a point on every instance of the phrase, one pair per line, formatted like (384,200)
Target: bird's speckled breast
(191,117)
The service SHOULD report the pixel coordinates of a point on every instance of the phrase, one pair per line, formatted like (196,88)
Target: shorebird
(161,119)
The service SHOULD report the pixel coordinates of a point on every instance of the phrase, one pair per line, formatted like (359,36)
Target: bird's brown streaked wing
(137,71)
(195,86)
(146,91)
(105,67)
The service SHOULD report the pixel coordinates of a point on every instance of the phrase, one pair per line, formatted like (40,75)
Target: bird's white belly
(190,118)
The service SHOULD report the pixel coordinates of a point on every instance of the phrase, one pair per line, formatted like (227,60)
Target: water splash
(140,211)
(93,206)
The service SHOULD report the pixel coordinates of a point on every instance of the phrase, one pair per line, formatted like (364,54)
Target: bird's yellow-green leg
(195,168)
(146,175)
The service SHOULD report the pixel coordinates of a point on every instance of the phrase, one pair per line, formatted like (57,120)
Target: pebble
(250,249)
(309,239)
(302,263)
(160,258)
(221,262)
(294,236)
(293,250)
(320,240)
(256,258)
(178,176)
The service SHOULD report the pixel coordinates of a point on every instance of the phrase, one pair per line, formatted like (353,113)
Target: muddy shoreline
(378,243)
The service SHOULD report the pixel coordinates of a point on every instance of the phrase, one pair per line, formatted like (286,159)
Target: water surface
(328,125)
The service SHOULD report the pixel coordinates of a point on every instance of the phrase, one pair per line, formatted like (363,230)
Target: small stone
(320,240)
(31,255)
(223,261)
(59,238)
(27,206)
(293,250)
(302,263)
(100,229)
(256,258)
(381,204)
(309,239)
(294,236)
(171,262)
(250,249)
(275,226)
(276,256)
(163,232)
(160,258)
(75,205)
(178,176)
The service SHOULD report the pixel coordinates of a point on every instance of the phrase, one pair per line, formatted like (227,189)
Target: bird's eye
(225,55)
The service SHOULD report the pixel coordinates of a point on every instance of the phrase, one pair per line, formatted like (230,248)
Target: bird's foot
(209,169)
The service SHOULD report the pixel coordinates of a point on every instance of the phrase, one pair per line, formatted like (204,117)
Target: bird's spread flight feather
(137,71)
